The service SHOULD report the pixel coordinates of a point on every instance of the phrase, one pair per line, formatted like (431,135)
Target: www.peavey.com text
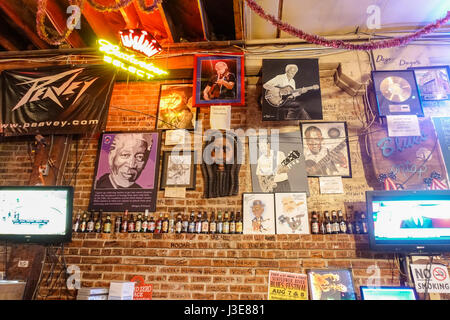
(60,124)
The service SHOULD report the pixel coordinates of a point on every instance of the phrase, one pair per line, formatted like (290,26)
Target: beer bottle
(151,225)
(212,223)
(350,225)
(131,224)
(191,228)
(364,226)
(91,223)
(99,222)
(328,223)
(179,224)
(145,221)
(83,224)
(165,224)
(314,223)
(226,224)
(107,225)
(124,228)
(322,228)
(239,223)
(159,222)
(334,222)
(118,224)
(198,223)
(342,222)
(205,223)
(185,224)
(358,229)
(76,224)
(219,224)
(232,223)
(138,226)
(172,223)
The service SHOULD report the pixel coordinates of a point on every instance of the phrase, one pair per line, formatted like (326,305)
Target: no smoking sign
(434,280)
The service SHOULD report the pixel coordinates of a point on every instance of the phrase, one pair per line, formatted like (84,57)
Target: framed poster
(178,170)
(396,93)
(433,82)
(175,109)
(291,90)
(218,79)
(291,213)
(258,213)
(326,150)
(279,164)
(126,172)
(327,284)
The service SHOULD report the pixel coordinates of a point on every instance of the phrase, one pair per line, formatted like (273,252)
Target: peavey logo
(41,88)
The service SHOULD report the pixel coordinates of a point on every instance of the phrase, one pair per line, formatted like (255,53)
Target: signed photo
(291,213)
(258,213)
(327,284)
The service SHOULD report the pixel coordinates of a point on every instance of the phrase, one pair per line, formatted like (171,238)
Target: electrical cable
(428,277)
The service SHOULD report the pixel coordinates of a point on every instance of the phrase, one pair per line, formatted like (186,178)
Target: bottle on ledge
(239,223)
(314,223)
(364,226)
(172,223)
(76,224)
(99,222)
(322,228)
(118,224)
(358,229)
(198,223)
(145,222)
(151,225)
(107,225)
(138,225)
(191,228)
(165,224)
(226,223)
(350,225)
(212,223)
(185,224)
(334,222)
(131,224)
(83,223)
(232,223)
(205,223)
(179,224)
(91,223)
(158,224)
(328,223)
(124,227)
(342,222)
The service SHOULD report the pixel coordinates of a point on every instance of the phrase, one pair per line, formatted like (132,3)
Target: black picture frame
(165,168)
(333,292)
(318,163)
(426,88)
(396,93)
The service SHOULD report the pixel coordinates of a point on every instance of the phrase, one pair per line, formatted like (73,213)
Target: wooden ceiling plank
(167,22)
(237,8)
(14,11)
(131,17)
(99,24)
(59,21)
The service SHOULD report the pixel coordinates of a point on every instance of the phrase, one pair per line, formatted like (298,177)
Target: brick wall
(206,266)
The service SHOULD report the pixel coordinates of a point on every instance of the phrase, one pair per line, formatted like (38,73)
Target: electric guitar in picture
(278,96)
(320,167)
(267,183)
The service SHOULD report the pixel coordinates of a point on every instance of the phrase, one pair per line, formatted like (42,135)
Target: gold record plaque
(397,93)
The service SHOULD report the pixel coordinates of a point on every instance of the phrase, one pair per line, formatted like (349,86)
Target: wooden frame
(183,174)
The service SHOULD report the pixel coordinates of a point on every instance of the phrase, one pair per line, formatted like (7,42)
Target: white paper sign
(174,137)
(403,126)
(175,192)
(439,281)
(331,185)
(220,117)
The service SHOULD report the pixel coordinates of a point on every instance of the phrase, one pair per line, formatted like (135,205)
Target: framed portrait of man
(218,79)
(258,213)
(326,149)
(126,173)
(178,170)
(175,110)
(291,213)
(291,90)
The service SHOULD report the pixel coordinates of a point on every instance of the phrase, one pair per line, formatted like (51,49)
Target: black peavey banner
(56,100)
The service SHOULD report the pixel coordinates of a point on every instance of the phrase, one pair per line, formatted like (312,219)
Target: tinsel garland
(122,4)
(40,23)
(339,44)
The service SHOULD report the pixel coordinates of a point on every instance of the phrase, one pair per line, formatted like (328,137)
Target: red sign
(140,41)
(142,291)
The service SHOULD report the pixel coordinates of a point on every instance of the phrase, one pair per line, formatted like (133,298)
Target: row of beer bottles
(228,223)
(336,223)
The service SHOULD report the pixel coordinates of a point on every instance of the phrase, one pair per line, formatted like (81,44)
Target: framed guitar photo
(291,90)
(326,149)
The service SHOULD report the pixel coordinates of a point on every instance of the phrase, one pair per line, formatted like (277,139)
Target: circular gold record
(395,89)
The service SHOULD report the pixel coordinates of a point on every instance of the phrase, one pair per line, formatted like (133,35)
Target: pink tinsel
(338,44)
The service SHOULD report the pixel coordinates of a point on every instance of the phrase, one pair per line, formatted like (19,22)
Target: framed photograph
(126,170)
(325,284)
(433,82)
(178,170)
(291,90)
(175,110)
(219,79)
(396,93)
(278,164)
(291,213)
(258,213)
(326,150)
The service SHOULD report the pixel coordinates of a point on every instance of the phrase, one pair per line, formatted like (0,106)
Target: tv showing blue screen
(36,214)
(388,293)
(409,221)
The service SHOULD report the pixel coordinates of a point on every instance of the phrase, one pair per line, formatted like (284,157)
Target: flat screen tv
(36,214)
(388,293)
(409,221)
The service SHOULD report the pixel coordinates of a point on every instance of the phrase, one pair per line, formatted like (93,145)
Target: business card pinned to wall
(403,126)
(331,185)
(175,137)
(175,192)
(220,117)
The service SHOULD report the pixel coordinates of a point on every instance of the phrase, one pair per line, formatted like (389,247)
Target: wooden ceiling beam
(15,12)
(130,16)
(59,21)
(98,23)
(237,8)
(7,44)
(156,22)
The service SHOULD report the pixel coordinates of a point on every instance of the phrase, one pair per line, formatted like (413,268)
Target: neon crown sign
(140,41)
